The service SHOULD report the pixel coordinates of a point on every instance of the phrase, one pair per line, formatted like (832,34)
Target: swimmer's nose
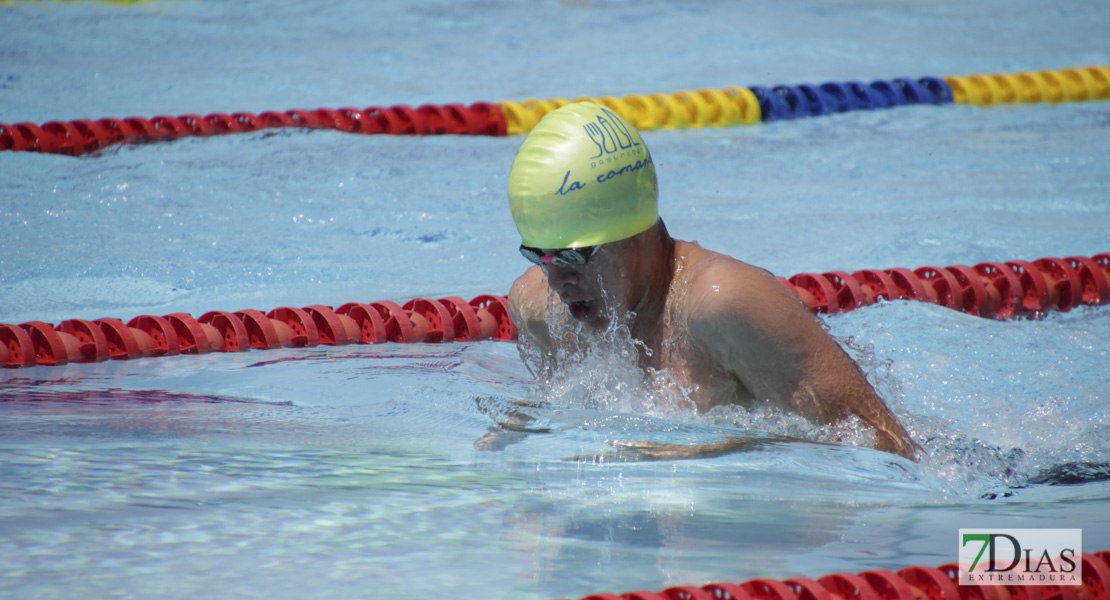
(560,277)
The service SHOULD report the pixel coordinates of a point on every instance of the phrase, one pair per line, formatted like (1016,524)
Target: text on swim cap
(575,186)
(632,168)
(609,134)
(615,144)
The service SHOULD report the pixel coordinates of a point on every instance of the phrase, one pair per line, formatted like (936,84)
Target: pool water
(368,470)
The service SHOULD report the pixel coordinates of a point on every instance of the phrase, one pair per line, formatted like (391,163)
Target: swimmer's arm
(759,331)
(647,451)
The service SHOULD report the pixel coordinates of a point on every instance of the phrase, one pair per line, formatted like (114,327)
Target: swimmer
(582,191)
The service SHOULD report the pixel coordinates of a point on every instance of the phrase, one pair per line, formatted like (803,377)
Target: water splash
(996,405)
(601,369)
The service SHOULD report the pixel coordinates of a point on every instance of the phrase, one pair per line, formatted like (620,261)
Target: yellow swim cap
(582,177)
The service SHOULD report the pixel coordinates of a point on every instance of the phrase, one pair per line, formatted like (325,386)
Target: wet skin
(722,325)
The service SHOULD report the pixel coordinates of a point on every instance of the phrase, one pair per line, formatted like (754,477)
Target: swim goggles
(567,257)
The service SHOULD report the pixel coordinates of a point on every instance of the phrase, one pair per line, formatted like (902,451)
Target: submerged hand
(901,445)
(512,425)
(643,451)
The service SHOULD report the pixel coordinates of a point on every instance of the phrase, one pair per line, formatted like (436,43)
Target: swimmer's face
(587,290)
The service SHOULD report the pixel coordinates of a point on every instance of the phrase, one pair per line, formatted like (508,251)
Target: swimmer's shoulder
(528,294)
(528,306)
(729,301)
(720,279)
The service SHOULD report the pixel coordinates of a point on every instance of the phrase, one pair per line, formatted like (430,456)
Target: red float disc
(436,119)
(803,295)
(93,134)
(1007,286)
(331,328)
(464,319)
(398,326)
(161,333)
(463,120)
(304,118)
(380,120)
(1063,279)
(49,348)
(305,333)
(1037,297)
(768,589)
(888,585)
(370,322)
(94,345)
(12,138)
(440,328)
(727,591)
(66,139)
(35,138)
(930,583)
(849,292)
(409,122)
(947,290)
(169,127)
(247,121)
(498,306)
(196,125)
(642,595)
(190,335)
(1093,280)
(116,130)
(122,344)
(849,585)
(139,128)
(275,119)
(808,589)
(978,300)
(19,350)
(222,123)
(686,593)
(260,330)
(351,118)
(333,119)
(973,592)
(877,284)
(822,290)
(1096,577)
(492,120)
(231,328)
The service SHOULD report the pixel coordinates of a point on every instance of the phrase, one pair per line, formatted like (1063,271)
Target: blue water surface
(358,471)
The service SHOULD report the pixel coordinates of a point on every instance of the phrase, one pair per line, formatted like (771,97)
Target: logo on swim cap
(582,177)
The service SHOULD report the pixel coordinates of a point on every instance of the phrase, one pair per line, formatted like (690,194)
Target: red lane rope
(994,290)
(82,136)
(910,583)
(449,319)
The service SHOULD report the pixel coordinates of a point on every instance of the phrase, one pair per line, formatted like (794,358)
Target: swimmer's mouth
(581,308)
